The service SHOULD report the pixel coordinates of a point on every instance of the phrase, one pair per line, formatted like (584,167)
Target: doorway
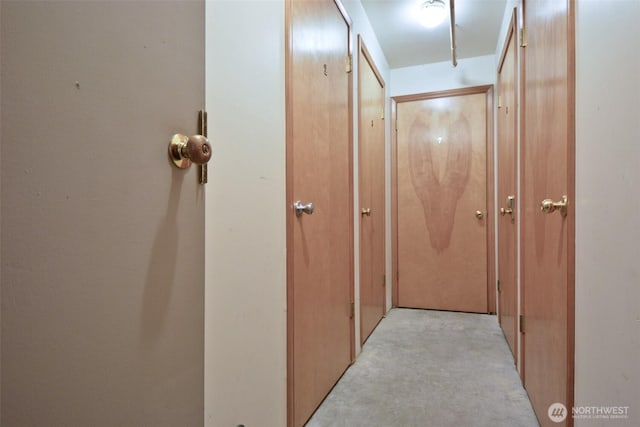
(442,201)
(371,190)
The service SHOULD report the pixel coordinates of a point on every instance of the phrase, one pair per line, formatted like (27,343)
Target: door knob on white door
(183,150)
(299,208)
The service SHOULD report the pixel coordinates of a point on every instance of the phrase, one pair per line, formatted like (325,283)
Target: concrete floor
(424,368)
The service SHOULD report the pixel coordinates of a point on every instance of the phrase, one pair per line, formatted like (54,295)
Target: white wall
(607,207)
(480,70)
(245,298)
(361,25)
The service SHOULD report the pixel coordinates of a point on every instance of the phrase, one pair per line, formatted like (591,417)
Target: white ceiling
(405,42)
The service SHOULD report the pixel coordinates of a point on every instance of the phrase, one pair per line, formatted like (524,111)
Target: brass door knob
(504,211)
(479,214)
(549,206)
(365,212)
(183,150)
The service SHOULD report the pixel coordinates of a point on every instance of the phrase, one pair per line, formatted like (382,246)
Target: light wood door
(441,183)
(319,171)
(547,240)
(506,194)
(371,192)
(102,237)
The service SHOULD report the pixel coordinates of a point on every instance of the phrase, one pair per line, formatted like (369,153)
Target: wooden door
(102,237)
(507,190)
(547,239)
(371,192)
(319,171)
(442,200)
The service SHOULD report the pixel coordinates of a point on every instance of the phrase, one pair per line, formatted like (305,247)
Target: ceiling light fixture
(431,13)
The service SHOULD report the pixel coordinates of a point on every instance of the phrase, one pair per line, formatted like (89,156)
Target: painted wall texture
(607,209)
(245,331)
(480,70)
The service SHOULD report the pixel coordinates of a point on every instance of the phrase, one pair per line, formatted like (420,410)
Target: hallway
(430,368)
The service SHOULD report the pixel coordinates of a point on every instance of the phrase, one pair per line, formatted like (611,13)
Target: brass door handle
(184,150)
(479,214)
(365,212)
(549,206)
(511,201)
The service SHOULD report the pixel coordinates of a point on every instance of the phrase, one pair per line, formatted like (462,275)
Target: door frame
(490,190)
(289,193)
(364,53)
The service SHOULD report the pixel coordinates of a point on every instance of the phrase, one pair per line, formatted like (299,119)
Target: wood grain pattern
(371,189)
(547,240)
(319,170)
(441,182)
(507,186)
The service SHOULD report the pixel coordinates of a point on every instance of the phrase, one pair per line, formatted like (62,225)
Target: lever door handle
(184,150)
(365,212)
(548,206)
(299,208)
(511,200)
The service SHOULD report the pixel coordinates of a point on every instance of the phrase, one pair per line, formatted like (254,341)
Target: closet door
(320,198)
(507,191)
(547,233)
(371,192)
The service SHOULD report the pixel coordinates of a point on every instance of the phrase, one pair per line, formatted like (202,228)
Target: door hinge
(384,280)
(499,101)
(523,37)
(352,310)
(202,130)
(499,287)
(522,324)
(382,114)
(349,63)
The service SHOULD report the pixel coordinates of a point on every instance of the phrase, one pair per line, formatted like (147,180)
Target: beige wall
(607,208)
(479,70)
(245,332)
